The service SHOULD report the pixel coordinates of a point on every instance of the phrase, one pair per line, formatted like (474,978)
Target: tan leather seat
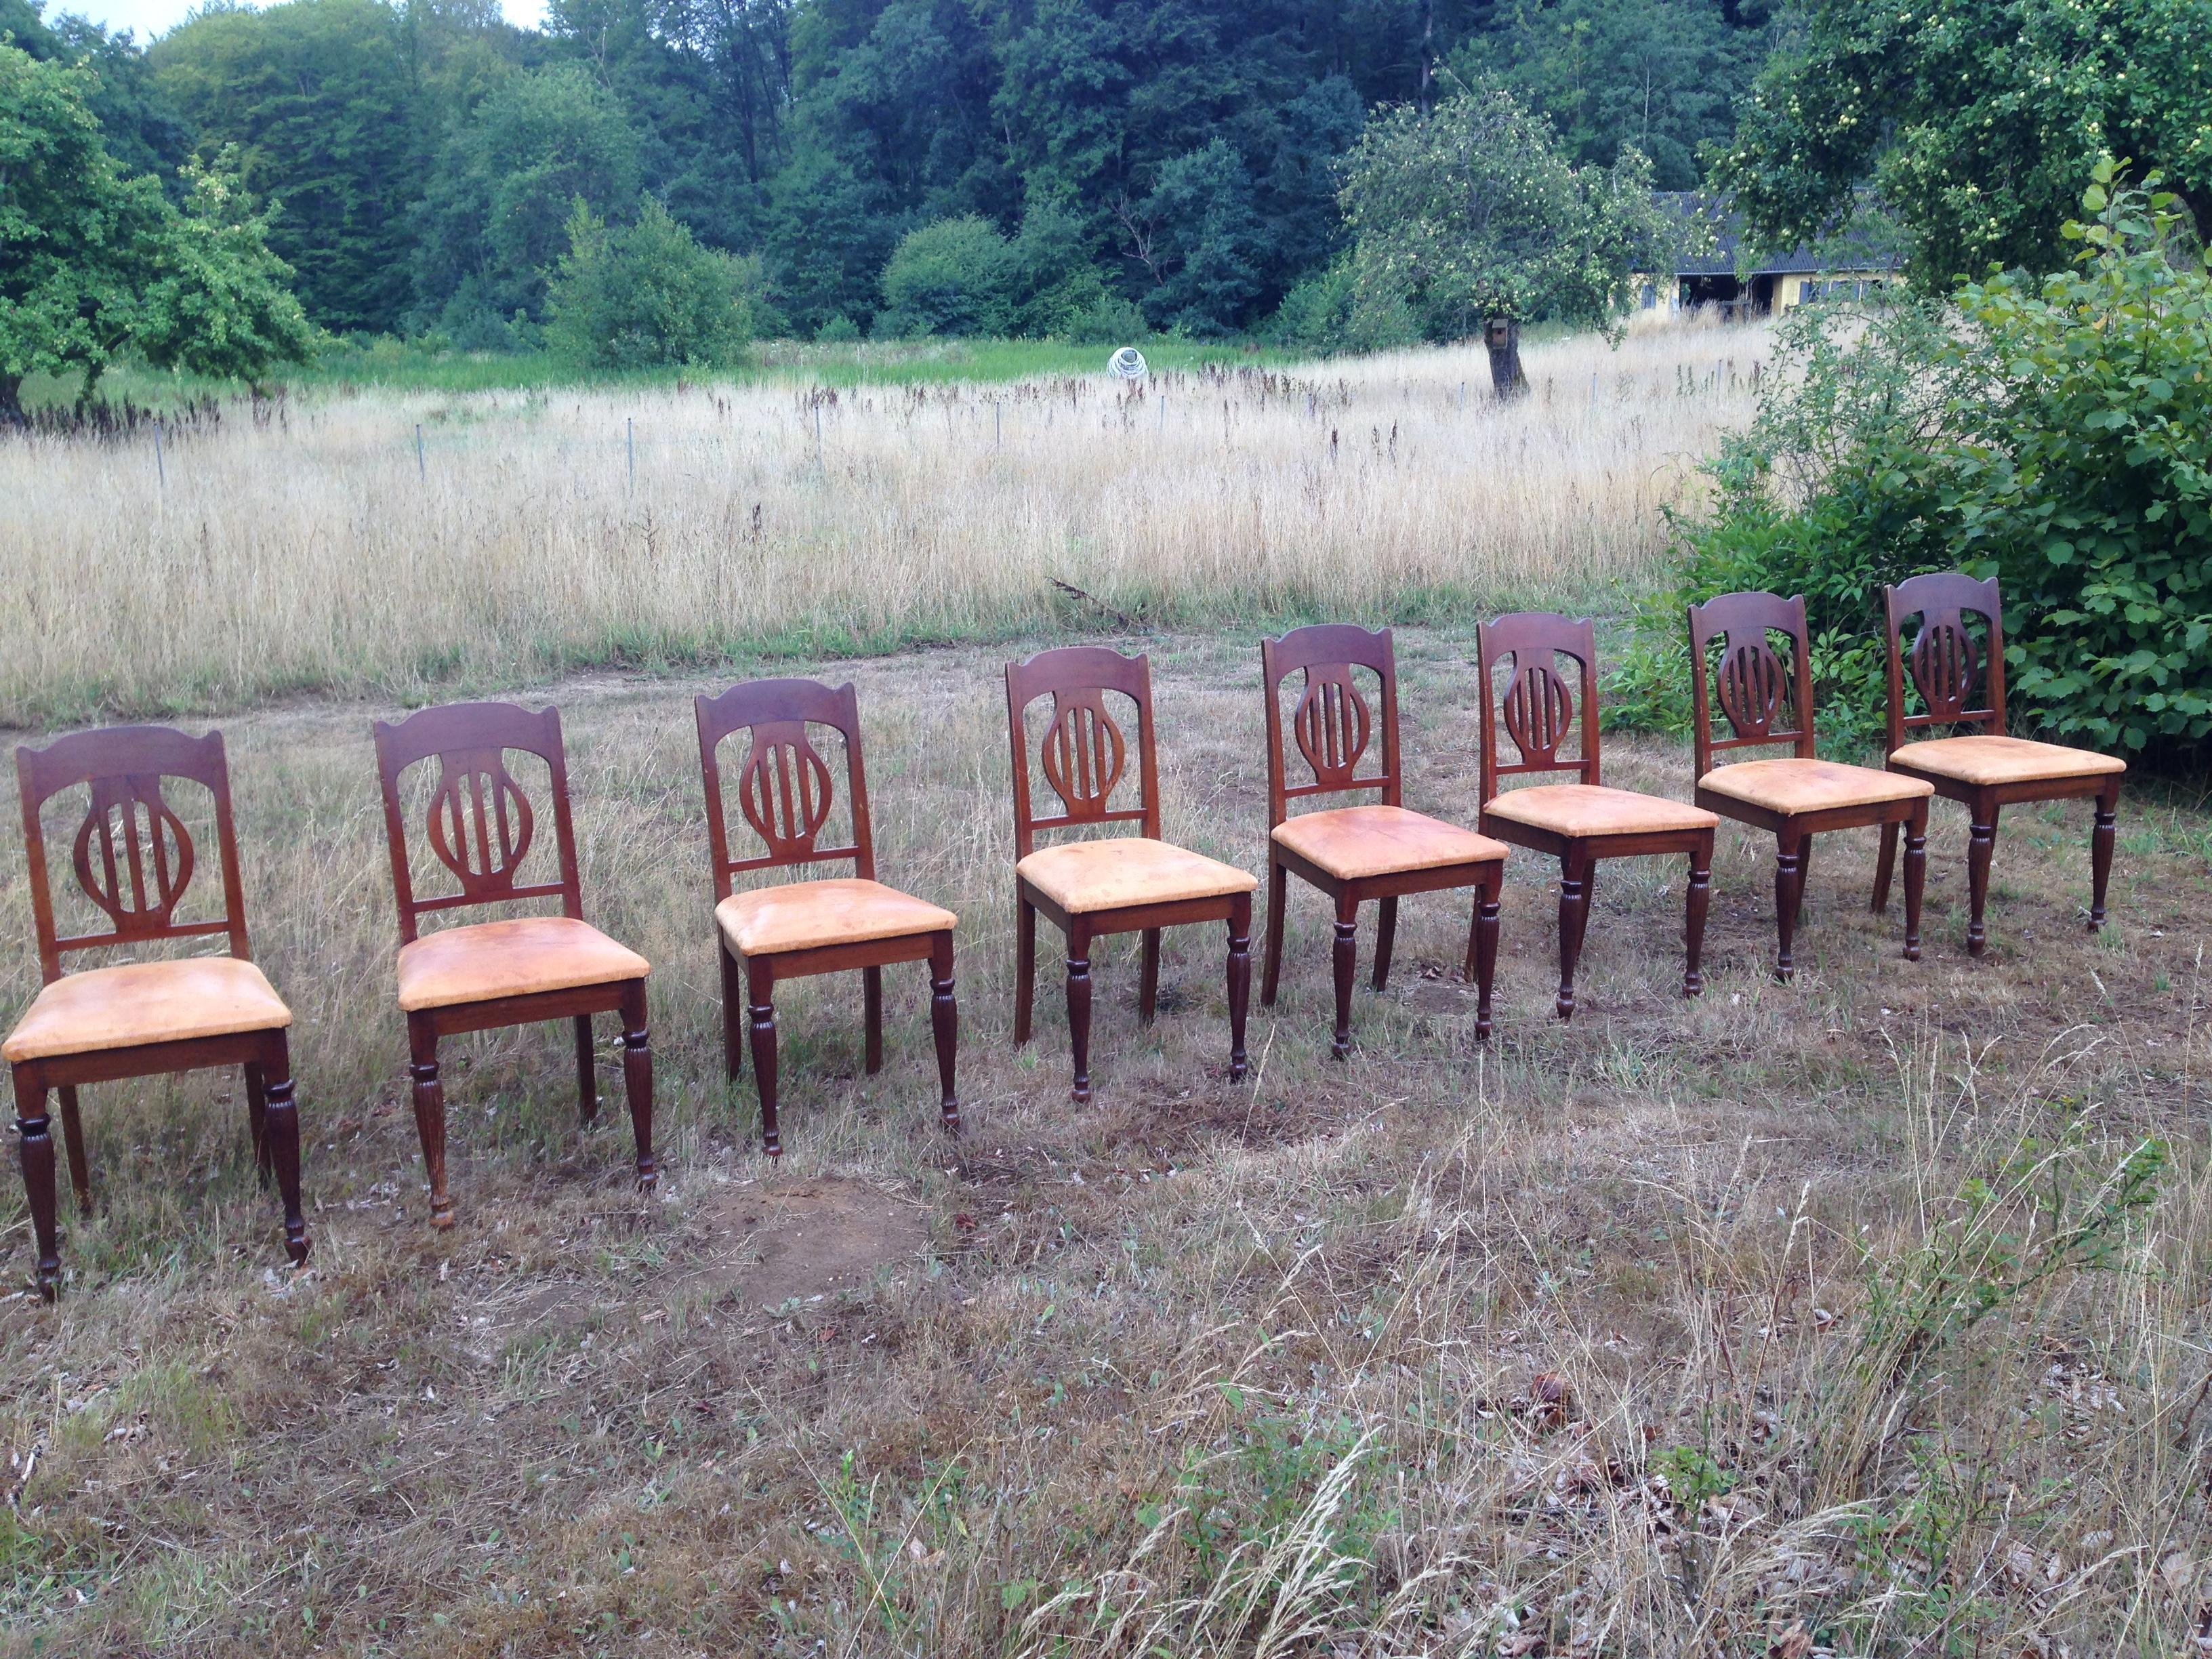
(808,914)
(1592,809)
(513,958)
(1085,876)
(1791,785)
(1991,760)
(142,1002)
(1353,842)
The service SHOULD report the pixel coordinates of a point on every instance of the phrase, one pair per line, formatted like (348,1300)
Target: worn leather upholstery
(517,957)
(1991,760)
(142,1002)
(806,915)
(1353,842)
(1591,809)
(1791,785)
(1086,876)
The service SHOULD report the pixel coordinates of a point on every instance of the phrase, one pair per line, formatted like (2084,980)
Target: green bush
(954,278)
(2055,432)
(646,295)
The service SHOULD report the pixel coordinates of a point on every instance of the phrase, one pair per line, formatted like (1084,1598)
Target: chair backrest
(784,786)
(1537,707)
(1332,723)
(1083,753)
(480,823)
(132,854)
(1945,660)
(1765,702)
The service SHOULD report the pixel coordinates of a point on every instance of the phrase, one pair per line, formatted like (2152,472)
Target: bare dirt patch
(771,1246)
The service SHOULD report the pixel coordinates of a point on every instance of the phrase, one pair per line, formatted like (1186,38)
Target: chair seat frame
(1090,753)
(1757,695)
(468,741)
(124,765)
(1538,712)
(1332,726)
(777,713)
(1944,668)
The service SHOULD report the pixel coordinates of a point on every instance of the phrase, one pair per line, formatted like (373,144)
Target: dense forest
(1174,158)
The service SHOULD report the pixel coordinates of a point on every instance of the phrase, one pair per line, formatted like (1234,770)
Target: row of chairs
(134,858)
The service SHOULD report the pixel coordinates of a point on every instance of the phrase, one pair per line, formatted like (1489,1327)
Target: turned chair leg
(35,1143)
(1788,853)
(587,1072)
(1574,917)
(945,1024)
(257,1118)
(637,1081)
(872,994)
(73,1140)
(2101,851)
(1386,940)
(430,1116)
(1697,899)
(1240,982)
(1078,1005)
(281,1137)
(1344,962)
(733,1011)
(1024,968)
(1482,948)
(1885,862)
(760,984)
(1981,843)
(1916,877)
(1271,969)
(1148,976)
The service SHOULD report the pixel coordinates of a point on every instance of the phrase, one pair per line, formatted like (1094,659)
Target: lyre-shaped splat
(1538,711)
(1944,666)
(785,788)
(1084,752)
(144,853)
(1332,725)
(480,821)
(1751,684)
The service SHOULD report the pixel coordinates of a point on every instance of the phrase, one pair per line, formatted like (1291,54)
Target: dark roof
(1857,246)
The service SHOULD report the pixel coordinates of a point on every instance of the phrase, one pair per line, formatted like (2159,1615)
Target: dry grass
(1442,1350)
(305,549)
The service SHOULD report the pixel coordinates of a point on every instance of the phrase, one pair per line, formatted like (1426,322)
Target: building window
(1651,296)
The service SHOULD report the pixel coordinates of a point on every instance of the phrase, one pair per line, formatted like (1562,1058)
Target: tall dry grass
(306,545)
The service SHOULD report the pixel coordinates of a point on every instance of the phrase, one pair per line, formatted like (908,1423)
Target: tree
(954,277)
(1471,216)
(319,98)
(646,296)
(94,263)
(1202,242)
(1977,120)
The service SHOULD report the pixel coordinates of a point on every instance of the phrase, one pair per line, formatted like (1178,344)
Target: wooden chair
(806,927)
(134,858)
(1354,853)
(1802,795)
(1988,770)
(1129,884)
(482,976)
(1580,823)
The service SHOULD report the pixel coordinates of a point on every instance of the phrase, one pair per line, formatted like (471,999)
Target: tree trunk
(1502,336)
(11,401)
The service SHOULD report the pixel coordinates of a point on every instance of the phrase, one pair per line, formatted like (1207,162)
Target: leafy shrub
(2055,432)
(840,330)
(956,276)
(646,295)
(1108,320)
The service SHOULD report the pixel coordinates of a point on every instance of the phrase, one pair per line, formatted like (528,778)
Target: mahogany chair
(1988,770)
(1580,823)
(133,857)
(482,976)
(1802,795)
(1354,853)
(1123,885)
(828,927)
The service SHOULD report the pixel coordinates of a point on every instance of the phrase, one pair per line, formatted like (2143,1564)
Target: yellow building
(1737,285)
